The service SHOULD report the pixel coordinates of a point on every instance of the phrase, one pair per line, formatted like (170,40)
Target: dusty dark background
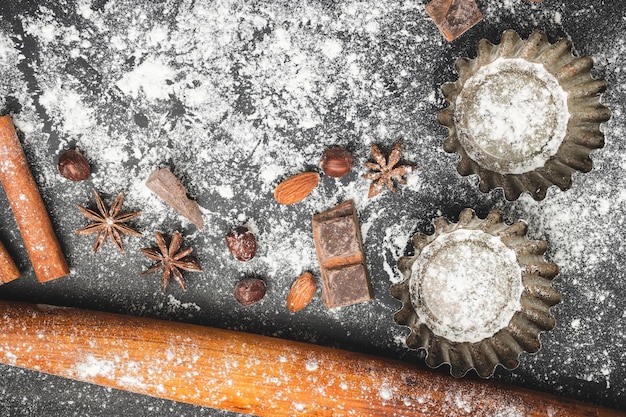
(585,363)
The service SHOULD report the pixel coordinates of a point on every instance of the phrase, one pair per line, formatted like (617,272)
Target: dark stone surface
(584,361)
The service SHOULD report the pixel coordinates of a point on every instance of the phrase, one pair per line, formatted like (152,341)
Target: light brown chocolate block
(165,185)
(339,246)
(454,17)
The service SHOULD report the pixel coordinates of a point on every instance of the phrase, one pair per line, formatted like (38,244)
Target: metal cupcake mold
(476,294)
(524,115)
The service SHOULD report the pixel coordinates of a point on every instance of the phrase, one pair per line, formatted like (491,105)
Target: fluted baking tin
(524,115)
(476,294)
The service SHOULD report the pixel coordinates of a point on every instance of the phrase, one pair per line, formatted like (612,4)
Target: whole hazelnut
(241,243)
(73,165)
(336,162)
(249,291)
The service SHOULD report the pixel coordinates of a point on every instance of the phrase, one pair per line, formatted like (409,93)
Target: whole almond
(297,188)
(301,293)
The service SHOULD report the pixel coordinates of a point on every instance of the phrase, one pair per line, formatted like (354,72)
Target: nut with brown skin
(73,165)
(296,188)
(336,162)
(249,291)
(302,292)
(241,243)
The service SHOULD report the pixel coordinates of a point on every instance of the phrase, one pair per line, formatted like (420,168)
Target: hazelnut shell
(73,165)
(336,162)
(249,291)
(241,243)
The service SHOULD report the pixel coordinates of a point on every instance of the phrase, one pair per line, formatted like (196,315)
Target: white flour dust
(234,97)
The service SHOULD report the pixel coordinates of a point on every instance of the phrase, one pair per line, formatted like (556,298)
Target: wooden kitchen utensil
(248,373)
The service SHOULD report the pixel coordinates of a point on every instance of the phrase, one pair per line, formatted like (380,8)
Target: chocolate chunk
(165,185)
(339,247)
(344,241)
(454,17)
(349,285)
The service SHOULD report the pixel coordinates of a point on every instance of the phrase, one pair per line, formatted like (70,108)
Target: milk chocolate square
(345,286)
(340,238)
(454,17)
(339,247)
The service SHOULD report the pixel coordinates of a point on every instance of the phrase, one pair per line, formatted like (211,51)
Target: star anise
(385,171)
(171,260)
(109,222)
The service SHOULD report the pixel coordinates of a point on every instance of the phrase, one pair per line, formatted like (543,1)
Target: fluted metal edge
(583,133)
(522,332)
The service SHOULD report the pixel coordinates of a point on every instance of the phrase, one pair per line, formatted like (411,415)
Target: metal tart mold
(524,115)
(476,294)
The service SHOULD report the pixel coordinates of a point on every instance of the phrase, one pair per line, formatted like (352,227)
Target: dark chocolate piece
(343,239)
(454,17)
(339,246)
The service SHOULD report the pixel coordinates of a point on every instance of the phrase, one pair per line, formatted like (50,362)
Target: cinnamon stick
(8,269)
(28,208)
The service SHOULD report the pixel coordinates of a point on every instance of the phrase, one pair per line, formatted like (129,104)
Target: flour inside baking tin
(511,116)
(466,285)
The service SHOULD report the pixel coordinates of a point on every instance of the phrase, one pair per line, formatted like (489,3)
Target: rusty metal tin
(524,115)
(476,294)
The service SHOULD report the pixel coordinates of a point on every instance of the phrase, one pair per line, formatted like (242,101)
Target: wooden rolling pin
(247,373)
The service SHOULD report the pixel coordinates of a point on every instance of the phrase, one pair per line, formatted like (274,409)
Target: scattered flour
(512,116)
(93,367)
(466,285)
(235,96)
